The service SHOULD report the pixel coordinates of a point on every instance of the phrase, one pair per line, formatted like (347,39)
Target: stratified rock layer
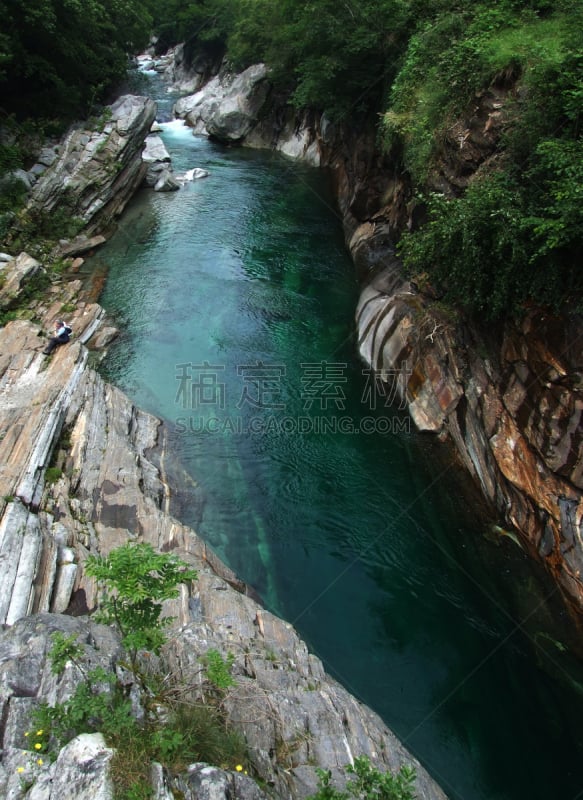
(515,416)
(97,171)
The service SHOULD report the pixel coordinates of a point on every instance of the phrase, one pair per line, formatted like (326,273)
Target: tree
(135,580)
(64,55)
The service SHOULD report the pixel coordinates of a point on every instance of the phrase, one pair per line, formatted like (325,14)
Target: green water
(236,298)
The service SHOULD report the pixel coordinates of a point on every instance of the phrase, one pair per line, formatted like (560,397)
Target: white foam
(177,129)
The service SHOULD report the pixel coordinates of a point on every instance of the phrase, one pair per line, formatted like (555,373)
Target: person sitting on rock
(62,335)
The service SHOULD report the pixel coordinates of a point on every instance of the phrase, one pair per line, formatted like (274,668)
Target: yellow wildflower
(239,768)
(20,769)
(27,733)
(38,746)
(40,733)
(40,762)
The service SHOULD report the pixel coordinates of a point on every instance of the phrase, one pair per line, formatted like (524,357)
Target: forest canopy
(410,67)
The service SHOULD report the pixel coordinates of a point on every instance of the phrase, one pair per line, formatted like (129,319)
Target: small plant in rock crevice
(367,783)
(177,731)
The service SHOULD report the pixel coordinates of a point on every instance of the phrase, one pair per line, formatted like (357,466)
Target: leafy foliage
(515,236)
(63,650)
(135,580)
(218,669)
(66,54)
(96,705)
(367,783)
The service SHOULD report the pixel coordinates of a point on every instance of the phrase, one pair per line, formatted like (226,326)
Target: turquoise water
(236,299)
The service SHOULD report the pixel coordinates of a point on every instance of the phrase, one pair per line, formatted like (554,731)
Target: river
(236,300)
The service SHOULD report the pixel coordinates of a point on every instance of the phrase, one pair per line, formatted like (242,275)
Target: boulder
(48,155)
(155,150)
(193,175)
(18,176)
(157,159)
(228,107)
(166,182)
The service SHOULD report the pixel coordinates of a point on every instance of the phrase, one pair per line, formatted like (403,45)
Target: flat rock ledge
(82,471)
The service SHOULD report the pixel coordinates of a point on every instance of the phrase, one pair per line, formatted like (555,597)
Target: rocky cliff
(98,169)
(510,399)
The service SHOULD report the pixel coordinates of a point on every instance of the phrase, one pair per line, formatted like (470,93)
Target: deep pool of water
(236,300)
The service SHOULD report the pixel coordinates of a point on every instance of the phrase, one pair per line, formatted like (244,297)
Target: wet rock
(166,182)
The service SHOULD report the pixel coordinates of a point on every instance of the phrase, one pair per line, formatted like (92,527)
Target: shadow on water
(236,298)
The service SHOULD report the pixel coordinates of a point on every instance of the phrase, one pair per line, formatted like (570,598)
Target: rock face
(81,471)
(228,107)
(187,77)
(514,416)
(97,171)
(233,109)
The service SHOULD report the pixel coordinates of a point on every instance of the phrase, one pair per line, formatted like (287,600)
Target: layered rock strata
(97,171)
(515,415)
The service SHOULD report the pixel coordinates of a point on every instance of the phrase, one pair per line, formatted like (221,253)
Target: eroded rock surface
(97,171)
(514,416)
(228,107)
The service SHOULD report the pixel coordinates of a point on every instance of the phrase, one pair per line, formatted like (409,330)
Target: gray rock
(157,159)
(166,182)
(193,175)
(48,156)
(155,150)
(203,782)
(19,176)
(98,171)
(37,170)
(81,772)
(80,244)
(104,337)
(228,106)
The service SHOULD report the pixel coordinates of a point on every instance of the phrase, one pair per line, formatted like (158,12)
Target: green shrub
(53,474)
(367,783)
(135,580)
